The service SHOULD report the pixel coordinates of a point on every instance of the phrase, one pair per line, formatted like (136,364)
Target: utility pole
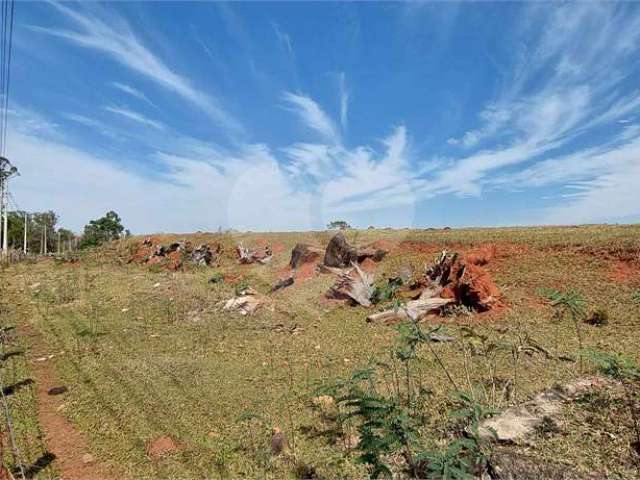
(24,243)
(6,172)
(45,236)
(58,242)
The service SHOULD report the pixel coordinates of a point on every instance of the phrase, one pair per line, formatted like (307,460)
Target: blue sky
(257,116)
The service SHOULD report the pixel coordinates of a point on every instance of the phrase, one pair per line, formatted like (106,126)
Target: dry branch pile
(173,256)
(246,256)
(450,280)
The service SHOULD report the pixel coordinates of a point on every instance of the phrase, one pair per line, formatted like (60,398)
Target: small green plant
(388,417)
(386,291)
(636,297)
(241,286)
(217,277)
(384,426)
(468,454)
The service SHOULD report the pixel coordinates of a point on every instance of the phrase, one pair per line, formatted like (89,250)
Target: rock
(245,304)
(57,390)
(87,458)
(162,446)
(304,253)
(339,253)
(278,442)
(516,424)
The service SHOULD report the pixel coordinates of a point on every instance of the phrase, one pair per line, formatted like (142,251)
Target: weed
(386,291)
(241,286)
(217,277)
(468,454)
(627,372)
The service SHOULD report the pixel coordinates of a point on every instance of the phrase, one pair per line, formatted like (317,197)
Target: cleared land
(147,353)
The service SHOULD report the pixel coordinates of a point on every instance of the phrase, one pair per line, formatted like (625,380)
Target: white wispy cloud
(344,100)
(128,89)
(109,33)
(312,115)
(135,116)
(283,38)
(560,89)
(245,190)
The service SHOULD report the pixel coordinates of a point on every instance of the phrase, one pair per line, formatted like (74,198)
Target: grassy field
(147,352)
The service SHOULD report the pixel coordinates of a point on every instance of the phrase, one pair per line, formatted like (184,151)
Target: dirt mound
(162,446)
(306,271)
(481,256)
(387,245)
(623,272)
(414,246)
(368,265)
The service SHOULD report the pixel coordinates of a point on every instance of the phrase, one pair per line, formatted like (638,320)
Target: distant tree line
(340,224)
(44,235)
(40,226)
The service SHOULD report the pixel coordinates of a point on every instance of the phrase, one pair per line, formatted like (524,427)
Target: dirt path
(70,447)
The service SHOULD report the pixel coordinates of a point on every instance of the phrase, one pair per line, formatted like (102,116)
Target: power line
(8,79)
(6,40)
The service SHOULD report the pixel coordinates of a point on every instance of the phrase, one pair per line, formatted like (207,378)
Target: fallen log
(282,283)
(414,310)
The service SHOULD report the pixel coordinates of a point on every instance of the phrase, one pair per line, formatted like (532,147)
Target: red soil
(368,265)
(306,271)
(70,447)
(162,446)
(387,245)
(482,255)
(623,272)
(413,246)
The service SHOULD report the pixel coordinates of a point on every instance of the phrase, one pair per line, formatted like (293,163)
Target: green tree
(102,230)
(341,224)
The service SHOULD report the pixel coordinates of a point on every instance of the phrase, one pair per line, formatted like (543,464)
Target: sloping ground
(148,353)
